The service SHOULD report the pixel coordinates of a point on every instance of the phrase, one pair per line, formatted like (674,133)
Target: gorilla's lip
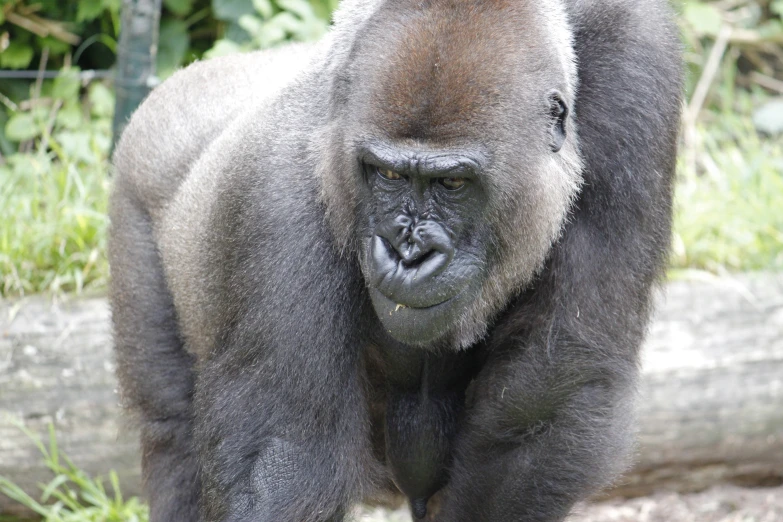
(402,306)
(393,308)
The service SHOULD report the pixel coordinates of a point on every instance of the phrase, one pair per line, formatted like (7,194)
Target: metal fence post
(136,53)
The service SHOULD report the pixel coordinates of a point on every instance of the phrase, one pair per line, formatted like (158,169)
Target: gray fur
(270,381)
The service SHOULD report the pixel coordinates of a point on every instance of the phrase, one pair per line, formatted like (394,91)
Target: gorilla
(416,257)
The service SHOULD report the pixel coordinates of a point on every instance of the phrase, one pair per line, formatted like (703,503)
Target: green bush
(52,35)
(84,33)
(59,30)
(266,23)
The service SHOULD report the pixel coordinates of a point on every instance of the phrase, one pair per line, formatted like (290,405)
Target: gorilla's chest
(417,400)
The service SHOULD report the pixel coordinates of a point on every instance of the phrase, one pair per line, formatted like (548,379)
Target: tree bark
(710,403)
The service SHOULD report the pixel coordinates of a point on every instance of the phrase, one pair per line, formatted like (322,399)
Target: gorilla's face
(424,260)
(451,175)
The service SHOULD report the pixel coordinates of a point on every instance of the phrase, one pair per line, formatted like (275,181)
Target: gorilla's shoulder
(181,117)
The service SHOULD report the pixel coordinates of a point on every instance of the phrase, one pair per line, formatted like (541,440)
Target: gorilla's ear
(558,112)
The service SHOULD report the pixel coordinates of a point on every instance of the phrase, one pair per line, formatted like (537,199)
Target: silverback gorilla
(417,256)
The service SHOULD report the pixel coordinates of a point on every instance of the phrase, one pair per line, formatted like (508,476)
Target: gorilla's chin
(418,326)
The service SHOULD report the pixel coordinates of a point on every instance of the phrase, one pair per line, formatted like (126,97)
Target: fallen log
(711,402)
(710,405)
(56,367)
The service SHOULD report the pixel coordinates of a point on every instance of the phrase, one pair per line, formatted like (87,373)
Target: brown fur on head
(449,75)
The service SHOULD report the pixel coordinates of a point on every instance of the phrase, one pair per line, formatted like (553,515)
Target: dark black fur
(269,382)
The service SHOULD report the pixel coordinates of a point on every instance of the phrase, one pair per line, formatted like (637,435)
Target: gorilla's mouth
(402,306)
(419,284)
(423,297)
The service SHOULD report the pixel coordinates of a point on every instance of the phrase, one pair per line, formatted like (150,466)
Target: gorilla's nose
(415,247)
(414,241)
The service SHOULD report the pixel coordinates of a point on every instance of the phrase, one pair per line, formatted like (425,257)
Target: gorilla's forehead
(435,80)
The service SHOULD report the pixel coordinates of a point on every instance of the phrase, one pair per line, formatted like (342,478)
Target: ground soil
(720,504)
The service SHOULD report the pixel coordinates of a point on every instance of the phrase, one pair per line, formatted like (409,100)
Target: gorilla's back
(178,121)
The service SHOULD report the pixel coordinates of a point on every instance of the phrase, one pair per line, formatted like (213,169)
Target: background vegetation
(55,138)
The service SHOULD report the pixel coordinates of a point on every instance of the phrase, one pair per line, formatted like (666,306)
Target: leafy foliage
(52,34)
(753,30)
(266,23)
(62,29)
(67,32)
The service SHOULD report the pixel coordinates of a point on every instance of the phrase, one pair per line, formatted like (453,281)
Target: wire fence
(85,76)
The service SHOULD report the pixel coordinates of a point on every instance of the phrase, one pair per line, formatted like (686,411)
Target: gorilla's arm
(550,412)
(280,414)
(549,418)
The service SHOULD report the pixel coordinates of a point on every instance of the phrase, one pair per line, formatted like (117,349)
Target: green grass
(729,206)
(53,200)
(52,235)
(71,495)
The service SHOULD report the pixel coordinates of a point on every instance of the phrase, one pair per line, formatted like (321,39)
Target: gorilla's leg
(154,370)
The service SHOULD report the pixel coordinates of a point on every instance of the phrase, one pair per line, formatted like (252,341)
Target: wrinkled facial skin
(423,259)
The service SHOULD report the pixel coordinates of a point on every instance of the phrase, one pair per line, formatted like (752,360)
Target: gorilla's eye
(453,183)
(389,174)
